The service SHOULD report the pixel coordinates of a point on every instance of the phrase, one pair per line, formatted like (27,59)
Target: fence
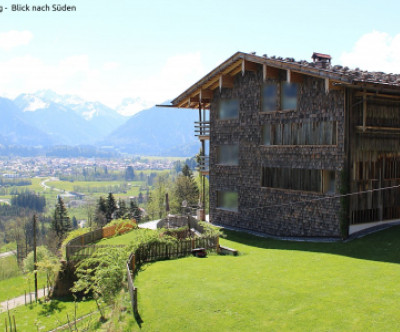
(158,251)
(79,246)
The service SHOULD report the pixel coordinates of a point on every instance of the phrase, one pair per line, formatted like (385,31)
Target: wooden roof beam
(225,81)
(293,77)
(270,72)
(248,66)
(194,99)
(206,95)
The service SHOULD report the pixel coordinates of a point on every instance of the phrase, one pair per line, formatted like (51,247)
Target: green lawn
(8,247)
(47,316)
(277,286)
(16,286)
(9,267)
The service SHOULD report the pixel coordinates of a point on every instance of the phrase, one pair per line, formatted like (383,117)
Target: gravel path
(8,253)
(150,224)
(20,300)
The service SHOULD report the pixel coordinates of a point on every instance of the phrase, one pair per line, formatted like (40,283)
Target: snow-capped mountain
(68,119)
(131,106)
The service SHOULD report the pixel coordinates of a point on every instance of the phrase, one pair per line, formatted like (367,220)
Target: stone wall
(270,210)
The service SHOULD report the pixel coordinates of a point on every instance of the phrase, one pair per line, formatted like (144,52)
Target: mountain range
(47,119)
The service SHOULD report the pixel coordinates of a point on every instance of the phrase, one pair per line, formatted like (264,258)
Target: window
(227,200)
(329,182)
(314,180)
(266,134)
(228,154)
(288,96)
(302,133)
(228,109)
(269,97)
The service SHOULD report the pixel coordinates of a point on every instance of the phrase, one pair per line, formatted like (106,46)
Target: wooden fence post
(133,263)
(135,309)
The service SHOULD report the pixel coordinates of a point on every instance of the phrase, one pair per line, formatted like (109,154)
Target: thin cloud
(13,38)
(179,72)
(375,51)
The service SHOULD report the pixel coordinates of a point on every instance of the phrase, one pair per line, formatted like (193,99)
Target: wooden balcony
(202,130)
(204,165)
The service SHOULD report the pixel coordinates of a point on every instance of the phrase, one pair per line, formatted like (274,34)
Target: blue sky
(153,50)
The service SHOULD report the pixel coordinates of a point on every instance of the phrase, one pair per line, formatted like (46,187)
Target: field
(9,267)
(277,286)
(17,286)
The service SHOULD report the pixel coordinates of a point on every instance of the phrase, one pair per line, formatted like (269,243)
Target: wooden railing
(79,248)
(202,129)
(204,164)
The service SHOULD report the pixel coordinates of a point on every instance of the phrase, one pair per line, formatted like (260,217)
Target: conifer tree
(60,223)
(101,210)
(111,207)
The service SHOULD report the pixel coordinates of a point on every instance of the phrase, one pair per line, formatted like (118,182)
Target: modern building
(283,140)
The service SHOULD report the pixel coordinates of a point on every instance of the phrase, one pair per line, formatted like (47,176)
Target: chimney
(322,60)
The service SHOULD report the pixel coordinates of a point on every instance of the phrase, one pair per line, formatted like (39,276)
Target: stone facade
(271,210)
(281,154)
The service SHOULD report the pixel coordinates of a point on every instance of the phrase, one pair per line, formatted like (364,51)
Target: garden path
(8,253)
(20,300)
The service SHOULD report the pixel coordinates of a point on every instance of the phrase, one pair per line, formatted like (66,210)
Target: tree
(184,188)
(122,212)
(101,210)
(29,200)
(134,211)
(60,223)
(140,198)
(46,262)
(186,171)
(129,173)
(102,273)
(111,207)
(74,223)
(156,200)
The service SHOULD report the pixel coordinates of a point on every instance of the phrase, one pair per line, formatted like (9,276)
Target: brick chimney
(322,60)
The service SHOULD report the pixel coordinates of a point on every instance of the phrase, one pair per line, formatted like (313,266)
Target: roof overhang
(223,76)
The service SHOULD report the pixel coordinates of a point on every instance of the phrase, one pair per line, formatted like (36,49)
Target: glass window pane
(228,109)
(228,154)
(276,131)
(266,134)
(269,96)
(228,200)
(287,134)
(288,96)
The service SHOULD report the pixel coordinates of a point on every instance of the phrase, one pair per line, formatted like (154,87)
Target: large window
(228,154)
(300,133)
(227,200)
(288,96)
(287,100)
(314,180)
(228,109)
(269,97)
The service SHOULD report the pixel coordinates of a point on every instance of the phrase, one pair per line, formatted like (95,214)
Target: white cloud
(375,51)
(13,38)
(178,73)
(110,65)
(27,74)
(107,83)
